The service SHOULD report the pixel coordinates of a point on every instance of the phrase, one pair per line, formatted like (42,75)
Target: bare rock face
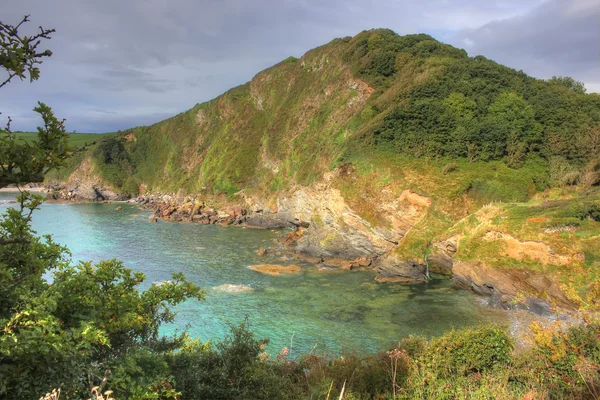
(441,259)
(400,271)
(505,285)
(85,184)
(335,230)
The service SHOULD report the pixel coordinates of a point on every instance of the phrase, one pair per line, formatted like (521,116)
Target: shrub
(570,178)
(450,167)
(468,351)
(233,368)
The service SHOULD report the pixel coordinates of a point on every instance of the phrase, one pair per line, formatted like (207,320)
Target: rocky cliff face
(84,184)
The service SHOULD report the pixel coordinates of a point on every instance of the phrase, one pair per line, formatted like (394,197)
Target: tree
(23,162)
(568,82)
(19,54)
(510,129)
(92,322)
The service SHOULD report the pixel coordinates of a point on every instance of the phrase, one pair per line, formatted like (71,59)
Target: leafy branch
(19,54)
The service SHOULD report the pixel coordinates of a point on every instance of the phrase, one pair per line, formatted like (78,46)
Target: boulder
(270,221)
(262,252)
(400,271)
(275,269)
(338,263)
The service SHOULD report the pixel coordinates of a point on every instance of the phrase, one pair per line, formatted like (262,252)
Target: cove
(325,312)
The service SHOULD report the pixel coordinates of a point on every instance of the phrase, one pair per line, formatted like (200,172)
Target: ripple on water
(330,310)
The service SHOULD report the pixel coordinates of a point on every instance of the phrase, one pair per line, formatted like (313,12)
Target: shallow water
(327,311)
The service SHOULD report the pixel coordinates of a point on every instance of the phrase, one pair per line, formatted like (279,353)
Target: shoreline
(16,190)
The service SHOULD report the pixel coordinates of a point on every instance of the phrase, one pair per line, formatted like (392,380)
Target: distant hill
(76,140)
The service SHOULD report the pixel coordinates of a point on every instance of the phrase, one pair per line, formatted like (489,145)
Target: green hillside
(399,113)
(76,140)
(375,92)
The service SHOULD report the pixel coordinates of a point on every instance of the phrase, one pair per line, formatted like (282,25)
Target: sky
(117,64)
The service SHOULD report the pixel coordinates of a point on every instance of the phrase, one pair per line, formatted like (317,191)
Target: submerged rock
(231,288)
(262,252)
(275,269)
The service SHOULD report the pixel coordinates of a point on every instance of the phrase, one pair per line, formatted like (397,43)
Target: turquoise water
(327,311)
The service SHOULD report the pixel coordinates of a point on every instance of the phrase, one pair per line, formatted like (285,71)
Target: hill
(399,149)
(76,140)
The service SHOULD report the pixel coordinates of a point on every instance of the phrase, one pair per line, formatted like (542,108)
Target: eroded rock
(275,269)
(401,271)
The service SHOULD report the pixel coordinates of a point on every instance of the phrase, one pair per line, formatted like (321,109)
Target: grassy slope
(75,139)
(345,103)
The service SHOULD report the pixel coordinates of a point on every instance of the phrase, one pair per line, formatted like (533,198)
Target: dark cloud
(120,63)
(560,37)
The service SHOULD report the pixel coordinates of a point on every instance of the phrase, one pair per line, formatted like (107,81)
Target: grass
(76,140)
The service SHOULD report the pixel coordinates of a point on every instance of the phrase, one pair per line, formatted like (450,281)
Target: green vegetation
(89,322)
(401,95)
(405,112)
(92,329)
(76,140)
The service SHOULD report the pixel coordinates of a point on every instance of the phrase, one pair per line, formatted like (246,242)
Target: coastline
(16,189)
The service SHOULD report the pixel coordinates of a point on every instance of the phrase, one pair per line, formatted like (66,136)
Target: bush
(469,351)
(234,368)
(570,178)
(450,167)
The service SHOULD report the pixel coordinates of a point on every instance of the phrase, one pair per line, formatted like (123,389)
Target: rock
(338,263)
(391,270)
(440,263)
(363,262)
(152,219)
(275,269)
(231,288)
(338,229)
(506,285)
(538,306)
(119,208)
(308,259)
(262,252)
(292,237)
(270,221)
(209,211)
(324,268)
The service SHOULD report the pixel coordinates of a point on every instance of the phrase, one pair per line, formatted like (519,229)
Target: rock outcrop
(275,269)
(393,270)
(504,286)
(84,184)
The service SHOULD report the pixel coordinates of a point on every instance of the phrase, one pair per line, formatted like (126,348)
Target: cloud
(559,37)
(138,61)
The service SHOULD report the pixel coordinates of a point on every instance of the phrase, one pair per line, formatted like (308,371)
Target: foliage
(569,83)
(89,322)
(296,120)
(19,54)
(24,162)
(235,368)
(474,363)
(114,162)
